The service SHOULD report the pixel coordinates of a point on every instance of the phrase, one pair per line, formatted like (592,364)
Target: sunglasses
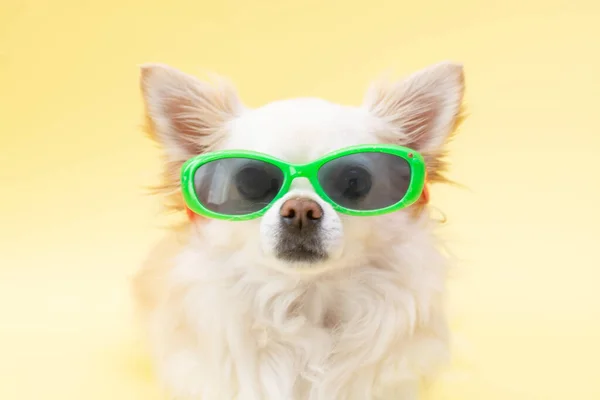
(364,180)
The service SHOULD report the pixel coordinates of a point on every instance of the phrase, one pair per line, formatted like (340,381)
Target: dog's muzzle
(299,238)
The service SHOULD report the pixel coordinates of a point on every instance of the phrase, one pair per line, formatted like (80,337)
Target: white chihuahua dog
(354,313)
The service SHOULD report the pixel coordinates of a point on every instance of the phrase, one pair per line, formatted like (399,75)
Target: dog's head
(301,231)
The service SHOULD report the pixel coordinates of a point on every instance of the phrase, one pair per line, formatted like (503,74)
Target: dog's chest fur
(258,334)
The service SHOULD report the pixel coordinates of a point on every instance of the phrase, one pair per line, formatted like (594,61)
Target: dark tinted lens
(237,186)
(366,181)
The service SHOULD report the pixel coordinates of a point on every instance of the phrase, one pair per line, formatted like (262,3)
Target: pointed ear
(186,116)
(421,111)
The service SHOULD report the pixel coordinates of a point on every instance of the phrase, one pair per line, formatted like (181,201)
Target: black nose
(301,213)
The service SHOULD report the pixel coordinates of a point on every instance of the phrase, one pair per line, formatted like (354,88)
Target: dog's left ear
(421,111)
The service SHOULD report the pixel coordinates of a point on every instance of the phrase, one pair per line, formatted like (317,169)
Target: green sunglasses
(364,180)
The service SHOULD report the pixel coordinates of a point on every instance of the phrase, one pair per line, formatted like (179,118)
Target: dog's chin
(302,255)
(301,262)
(306,254)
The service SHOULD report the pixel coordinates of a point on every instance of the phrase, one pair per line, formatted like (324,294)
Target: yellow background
(75,223)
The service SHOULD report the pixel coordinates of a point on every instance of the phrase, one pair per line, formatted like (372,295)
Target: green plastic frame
(308,171)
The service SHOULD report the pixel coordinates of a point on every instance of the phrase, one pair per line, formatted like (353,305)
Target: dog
(228,316)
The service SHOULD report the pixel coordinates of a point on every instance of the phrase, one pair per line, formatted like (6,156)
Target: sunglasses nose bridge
(296,171)
(300,177)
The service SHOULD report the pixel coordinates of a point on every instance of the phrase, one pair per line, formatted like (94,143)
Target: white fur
(237,323)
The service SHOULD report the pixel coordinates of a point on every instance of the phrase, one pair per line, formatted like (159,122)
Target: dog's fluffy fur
(227,319)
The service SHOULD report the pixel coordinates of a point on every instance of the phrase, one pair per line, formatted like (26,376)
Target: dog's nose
(301,213)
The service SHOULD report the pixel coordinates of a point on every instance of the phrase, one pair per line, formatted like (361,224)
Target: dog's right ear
(185,115)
